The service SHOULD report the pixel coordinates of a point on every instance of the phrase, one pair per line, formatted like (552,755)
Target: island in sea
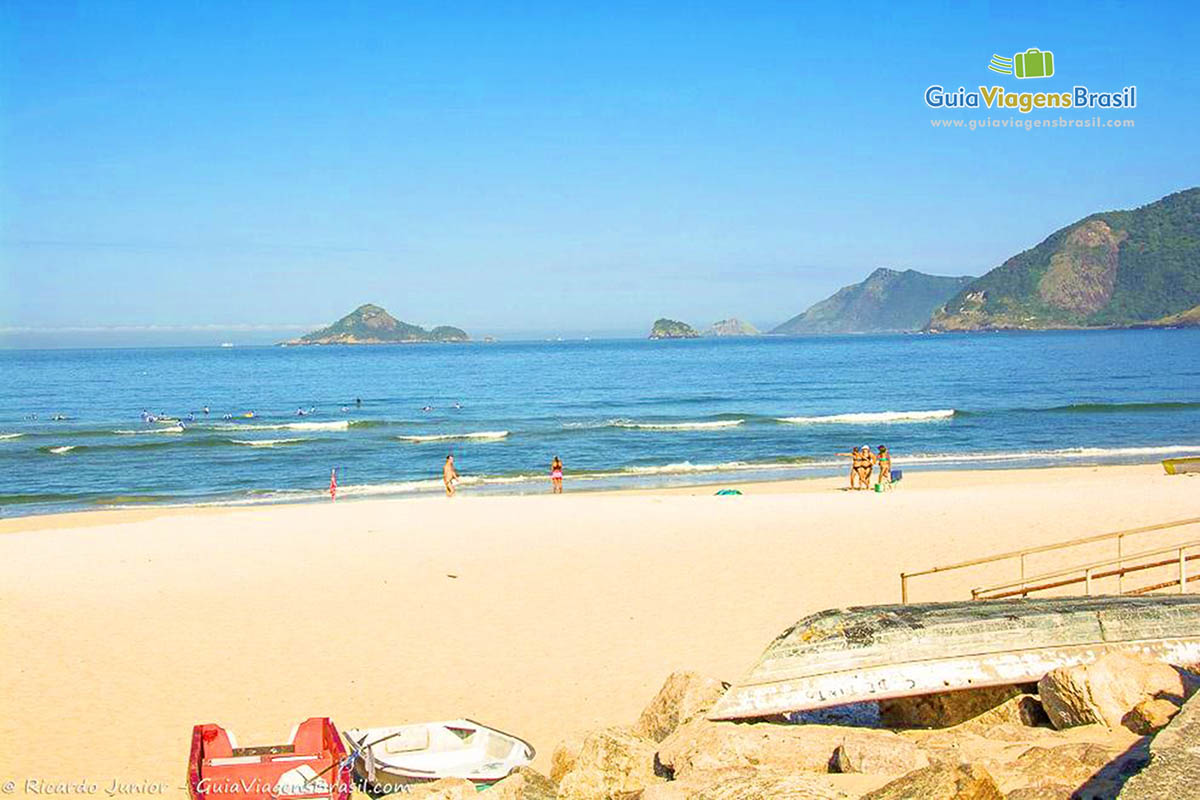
(731,327)
(672,329)
(371,324)
(887,301)
(1115,269)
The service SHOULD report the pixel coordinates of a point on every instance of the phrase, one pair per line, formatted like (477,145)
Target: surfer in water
(556,475)
(449,476)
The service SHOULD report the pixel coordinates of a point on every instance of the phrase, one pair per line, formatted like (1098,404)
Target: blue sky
(537,168)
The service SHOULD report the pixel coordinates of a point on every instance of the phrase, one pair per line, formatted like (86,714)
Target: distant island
(887,301)
(1115,269)
(672,329)
(371,324)
(731,327)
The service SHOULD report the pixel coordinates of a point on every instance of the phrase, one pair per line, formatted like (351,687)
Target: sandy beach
(540,615)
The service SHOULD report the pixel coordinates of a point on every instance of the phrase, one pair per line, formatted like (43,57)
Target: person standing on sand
(556,475)
(449,476)
(855,463)
(884,459)
(868,466)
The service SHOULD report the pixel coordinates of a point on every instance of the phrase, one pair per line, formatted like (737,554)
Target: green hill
(371,324)
(672,329)
(1113,269)
(887,300)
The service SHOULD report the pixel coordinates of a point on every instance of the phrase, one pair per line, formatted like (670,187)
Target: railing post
(1087,581)
(1120,566)
(1182,573)
(1022,571)
(903,588)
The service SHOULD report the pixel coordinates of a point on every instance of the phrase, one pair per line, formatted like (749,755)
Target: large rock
(878,755)
(703,746)
(743,783)
(943,782)
(565,754)
(1150,716)
(1022,711)
(1106,690)
(612,763)
(444,789)
(522,784)
(684,697)
(943,709)
(1174,768)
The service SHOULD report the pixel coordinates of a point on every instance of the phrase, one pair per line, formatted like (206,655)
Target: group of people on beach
(863,463)
(450,475)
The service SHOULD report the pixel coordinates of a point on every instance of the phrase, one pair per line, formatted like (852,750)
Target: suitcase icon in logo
(1034,63)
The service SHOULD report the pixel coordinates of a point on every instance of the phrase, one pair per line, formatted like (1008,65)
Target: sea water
(619,413)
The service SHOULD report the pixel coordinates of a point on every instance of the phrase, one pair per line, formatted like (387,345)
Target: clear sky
(553,167)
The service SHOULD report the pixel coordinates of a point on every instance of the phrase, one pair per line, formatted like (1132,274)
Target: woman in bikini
(855,463)
(866,467)
(885,467)
(556,475)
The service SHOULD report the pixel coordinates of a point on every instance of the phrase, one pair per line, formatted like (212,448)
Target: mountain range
(1114,269)
(888,300)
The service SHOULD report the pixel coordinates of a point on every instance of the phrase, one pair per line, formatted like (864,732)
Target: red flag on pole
(333,484)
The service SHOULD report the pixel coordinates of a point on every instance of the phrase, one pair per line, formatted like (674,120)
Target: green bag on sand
(727,492)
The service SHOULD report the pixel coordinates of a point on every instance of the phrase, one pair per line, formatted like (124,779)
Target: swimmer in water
(427,408)
(458,405)
(206,411)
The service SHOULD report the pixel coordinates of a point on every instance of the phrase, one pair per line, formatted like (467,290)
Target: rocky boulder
(612,763)
(878,755)
(943,709)
(941,781)
(1106,690)
(684,697)
(565,754)
(444,789)
(1150,716)
(703,746)
(522,784)
(744,783)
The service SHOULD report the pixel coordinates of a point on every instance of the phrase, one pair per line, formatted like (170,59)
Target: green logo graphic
(1033,63)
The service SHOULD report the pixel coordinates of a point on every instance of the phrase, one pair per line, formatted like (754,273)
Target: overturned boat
(389,759)
(850,655)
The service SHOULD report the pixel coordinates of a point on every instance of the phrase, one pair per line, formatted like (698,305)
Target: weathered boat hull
(1179,466)
(881,652)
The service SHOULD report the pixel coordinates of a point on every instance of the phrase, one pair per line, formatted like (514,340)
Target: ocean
(620,413)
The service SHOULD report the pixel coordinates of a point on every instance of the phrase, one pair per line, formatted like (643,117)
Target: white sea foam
(58,451)
(266,442)
(172,429)
(679,426)
(335,425)
(489,436)
(873,417)
(1048,455)
(10,435)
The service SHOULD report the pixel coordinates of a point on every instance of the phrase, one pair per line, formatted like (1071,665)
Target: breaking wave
(873,417)
(266,442)
(487,436)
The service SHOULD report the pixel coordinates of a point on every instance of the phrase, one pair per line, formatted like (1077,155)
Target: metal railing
(1088,574)
(1022,555)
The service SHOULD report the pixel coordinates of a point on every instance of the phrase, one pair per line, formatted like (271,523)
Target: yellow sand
(539,615)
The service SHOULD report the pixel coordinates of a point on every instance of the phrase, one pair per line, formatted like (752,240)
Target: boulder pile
(1081,732)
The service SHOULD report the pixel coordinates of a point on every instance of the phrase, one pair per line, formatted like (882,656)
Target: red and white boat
(312,764)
